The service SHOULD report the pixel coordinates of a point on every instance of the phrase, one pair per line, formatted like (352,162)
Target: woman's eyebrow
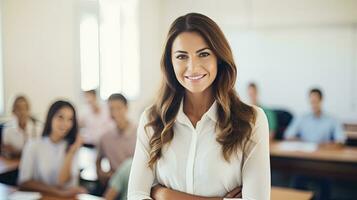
(198,51)
(180,51)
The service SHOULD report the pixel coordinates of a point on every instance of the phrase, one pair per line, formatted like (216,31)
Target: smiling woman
(48,164)
(195,68)
(198,131)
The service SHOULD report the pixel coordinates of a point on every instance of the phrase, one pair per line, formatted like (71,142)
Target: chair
(284,118)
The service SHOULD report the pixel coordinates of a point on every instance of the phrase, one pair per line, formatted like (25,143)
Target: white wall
(40,51)
(41,48)
(287,47)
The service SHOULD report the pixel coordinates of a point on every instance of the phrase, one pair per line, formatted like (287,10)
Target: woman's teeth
(195,77)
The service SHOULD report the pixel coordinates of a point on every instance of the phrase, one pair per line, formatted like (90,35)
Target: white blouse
(193,161)
(16,137)
(42,161)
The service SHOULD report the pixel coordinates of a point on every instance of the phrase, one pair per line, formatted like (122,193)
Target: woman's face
(62,122)
(194,63)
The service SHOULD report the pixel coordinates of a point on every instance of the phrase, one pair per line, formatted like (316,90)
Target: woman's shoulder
(144,120)
(33,145)
(260,127)
(144,117)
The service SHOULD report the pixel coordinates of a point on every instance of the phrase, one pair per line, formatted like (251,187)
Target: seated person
(317,127)
(21,128)
(272,118)
(94,119)
(118,144)
(118,184)
(49,164)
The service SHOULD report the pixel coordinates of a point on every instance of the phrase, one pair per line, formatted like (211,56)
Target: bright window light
(110,51)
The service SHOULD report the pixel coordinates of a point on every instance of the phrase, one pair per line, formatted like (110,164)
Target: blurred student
(118,184)
(94,119)
(116,145)
(49,164)
(254,99)
(317,126)
(18,130)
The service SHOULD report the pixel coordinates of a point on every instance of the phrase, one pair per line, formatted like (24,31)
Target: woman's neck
(54,139)
(196,105)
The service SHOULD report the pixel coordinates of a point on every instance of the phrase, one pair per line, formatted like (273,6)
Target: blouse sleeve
(141,175)
(28,162)
(256,165)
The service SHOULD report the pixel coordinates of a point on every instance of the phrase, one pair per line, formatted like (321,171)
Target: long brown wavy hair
(235,118)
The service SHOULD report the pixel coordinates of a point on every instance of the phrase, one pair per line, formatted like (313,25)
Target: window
(109,47)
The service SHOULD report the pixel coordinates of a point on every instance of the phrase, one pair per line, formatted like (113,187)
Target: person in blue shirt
(319,128)
(316,127)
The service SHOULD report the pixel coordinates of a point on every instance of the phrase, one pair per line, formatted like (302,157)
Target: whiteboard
(286,62)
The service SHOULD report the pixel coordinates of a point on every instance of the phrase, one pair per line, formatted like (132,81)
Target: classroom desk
(7,165)
(338,163)
(351,135)
(278,193)
(6,190)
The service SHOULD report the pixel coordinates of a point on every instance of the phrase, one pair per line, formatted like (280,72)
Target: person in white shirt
(18,130)
(48,164)
(198,140)
(94,119)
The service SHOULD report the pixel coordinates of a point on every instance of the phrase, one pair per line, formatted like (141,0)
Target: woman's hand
(158,192)
(77,144)
(236,193)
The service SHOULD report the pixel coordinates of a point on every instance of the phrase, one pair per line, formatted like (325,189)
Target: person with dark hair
(94,119)
(199,140)
(320,128)
(49,164)
(18,130)
(117,145)
(272,118)
(317,126)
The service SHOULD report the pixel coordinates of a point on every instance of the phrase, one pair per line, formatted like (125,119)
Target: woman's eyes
(183,56)
(204,54)
(62,117)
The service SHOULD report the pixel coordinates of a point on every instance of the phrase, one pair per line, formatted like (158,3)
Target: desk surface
(343,154)
(6,190)
(351,134)
(7,165)
(278,193)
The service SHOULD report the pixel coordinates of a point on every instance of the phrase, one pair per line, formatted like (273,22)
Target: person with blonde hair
(19,129)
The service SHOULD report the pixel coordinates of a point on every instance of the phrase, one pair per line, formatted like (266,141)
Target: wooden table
(340,163)
(6,190)
(351,135)
(278,193)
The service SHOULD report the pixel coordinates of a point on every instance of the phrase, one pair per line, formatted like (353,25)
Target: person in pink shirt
(118,144)
(94,119)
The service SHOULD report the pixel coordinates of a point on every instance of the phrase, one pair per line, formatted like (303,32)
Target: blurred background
(56,49)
